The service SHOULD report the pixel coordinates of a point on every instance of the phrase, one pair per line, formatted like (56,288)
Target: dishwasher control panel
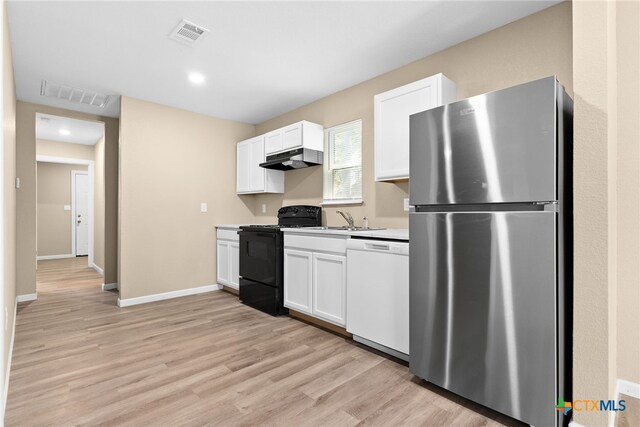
(388,246)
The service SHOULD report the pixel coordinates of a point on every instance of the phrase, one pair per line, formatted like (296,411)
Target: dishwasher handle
(376,246)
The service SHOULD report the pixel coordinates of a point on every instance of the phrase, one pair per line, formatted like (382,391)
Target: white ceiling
(260,59)
(79,131)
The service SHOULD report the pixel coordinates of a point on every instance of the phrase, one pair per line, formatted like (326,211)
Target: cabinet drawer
(226,234)
(312,243)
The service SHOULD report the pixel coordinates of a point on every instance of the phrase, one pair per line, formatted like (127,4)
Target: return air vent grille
(187,32)
(73,94)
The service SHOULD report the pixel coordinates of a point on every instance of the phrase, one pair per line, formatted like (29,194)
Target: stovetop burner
(293,217)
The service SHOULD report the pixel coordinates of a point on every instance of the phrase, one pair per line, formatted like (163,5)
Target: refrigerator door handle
(549,206)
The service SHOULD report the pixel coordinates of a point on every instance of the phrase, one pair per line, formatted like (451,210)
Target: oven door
(260,256)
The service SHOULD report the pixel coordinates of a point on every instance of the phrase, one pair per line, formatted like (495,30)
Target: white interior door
(81,212)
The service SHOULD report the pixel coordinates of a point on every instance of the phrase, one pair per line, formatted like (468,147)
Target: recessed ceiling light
(196,78)
(64,132)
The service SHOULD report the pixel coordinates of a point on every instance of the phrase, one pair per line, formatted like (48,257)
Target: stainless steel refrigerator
(490,249)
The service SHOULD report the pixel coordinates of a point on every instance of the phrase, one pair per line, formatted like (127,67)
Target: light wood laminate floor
(78,359)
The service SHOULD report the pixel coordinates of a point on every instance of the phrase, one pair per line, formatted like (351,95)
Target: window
(343,163)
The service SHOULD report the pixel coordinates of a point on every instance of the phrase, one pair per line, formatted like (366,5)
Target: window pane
(347,183)
(346,150)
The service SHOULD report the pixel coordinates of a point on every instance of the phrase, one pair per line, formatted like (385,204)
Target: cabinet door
(392,111)
(243,167)
(329,288)
(234,265)
(222,264)
(298,280)
(273,142)
(256,173)
(292,136)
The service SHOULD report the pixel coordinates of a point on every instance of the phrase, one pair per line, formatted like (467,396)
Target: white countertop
(389,233)
(230,226)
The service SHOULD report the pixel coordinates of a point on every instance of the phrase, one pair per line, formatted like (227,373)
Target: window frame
(327,170)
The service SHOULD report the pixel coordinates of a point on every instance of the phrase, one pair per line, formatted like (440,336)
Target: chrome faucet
(347,217)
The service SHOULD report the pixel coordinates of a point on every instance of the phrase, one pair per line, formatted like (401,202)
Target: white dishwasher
(378,294)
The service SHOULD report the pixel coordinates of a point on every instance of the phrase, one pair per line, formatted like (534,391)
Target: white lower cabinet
(222,251)
(298,280)
(315,277)
(329,287)
(228,258)
(234,265)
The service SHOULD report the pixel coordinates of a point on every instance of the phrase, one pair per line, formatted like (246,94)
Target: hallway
(65,275)
(49,332)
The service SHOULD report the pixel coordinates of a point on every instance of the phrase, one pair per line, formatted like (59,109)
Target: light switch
(264,208)
(406,205)
(67,207)
(203,207)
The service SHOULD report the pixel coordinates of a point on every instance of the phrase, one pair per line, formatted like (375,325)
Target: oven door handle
(269,235)
(256,233)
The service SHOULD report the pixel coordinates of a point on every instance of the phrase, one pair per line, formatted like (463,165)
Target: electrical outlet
(203,207)
(264,208)
(406,205)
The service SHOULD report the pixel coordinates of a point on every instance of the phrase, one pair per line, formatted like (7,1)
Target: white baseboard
(167,295)
(109,286)
(27,297)
(98,269)
(9,357)
(629,388)
(43,257)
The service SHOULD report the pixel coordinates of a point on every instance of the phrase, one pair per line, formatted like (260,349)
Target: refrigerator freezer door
(492,148)
(482,308)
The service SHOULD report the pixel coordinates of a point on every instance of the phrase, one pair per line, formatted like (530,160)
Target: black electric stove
(262,258)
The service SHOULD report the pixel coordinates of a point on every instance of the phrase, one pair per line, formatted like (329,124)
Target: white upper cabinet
(392,110)
(250,177)
(243,166)
(301,134)
(273,141)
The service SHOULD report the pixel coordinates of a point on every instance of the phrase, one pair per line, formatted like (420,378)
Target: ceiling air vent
(187,32)
(73,94)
